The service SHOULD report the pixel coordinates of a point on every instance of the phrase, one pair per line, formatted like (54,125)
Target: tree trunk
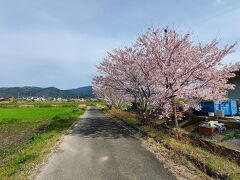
(143,118)
(174,118)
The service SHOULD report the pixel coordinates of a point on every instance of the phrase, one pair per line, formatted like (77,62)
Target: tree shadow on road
(100,128)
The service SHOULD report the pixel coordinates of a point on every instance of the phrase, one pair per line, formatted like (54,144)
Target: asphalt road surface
(99,148)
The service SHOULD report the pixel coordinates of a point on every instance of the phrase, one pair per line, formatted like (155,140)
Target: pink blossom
(163,66)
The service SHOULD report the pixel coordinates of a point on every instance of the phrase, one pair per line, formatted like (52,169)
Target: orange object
(208,131)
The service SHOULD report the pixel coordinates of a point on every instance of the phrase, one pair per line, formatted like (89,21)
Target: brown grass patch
(179,166)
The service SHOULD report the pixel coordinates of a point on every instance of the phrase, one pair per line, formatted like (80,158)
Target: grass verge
(18,160)
(213,164)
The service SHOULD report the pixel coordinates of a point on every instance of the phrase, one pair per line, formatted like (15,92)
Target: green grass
(31,114)
(48,104)
(230,134)
(28,134)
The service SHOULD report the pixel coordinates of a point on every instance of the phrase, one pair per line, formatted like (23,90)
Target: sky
(59,42)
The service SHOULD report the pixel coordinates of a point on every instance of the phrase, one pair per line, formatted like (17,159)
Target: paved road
(99,148)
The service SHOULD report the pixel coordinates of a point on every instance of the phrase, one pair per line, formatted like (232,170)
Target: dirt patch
(13,134)
(180,167)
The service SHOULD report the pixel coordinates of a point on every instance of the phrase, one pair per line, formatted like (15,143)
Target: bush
(231,134)
(82,106)
(127,107)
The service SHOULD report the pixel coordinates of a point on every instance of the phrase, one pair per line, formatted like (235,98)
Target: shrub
(82,106)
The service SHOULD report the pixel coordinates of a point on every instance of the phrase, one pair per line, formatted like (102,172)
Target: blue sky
(59,42)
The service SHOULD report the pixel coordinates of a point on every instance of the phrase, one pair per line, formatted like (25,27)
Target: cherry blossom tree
(127,71)
(163,66)
(112,97)
(186,70)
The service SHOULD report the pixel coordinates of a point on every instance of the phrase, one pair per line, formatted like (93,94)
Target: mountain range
(30,91)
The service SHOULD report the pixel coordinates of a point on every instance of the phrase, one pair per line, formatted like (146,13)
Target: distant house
(235,94)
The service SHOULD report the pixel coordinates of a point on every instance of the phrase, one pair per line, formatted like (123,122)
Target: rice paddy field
(28,131)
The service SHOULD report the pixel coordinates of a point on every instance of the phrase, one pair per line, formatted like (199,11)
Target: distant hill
(29,91)
(86,90)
